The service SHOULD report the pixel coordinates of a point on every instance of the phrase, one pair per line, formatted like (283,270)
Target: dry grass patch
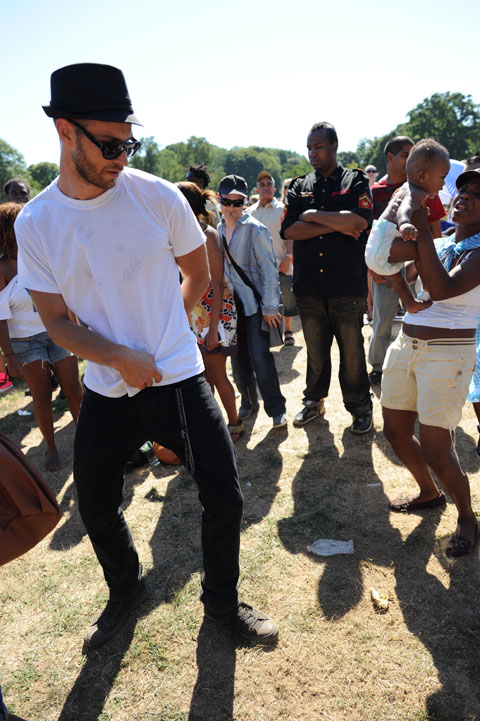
(337,659)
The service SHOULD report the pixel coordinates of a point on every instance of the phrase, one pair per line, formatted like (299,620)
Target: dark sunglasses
(112,149)
(237,203)
(370,171)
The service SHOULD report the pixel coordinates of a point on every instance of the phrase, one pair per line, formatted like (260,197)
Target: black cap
(467,175)
(90,90)
(233,184)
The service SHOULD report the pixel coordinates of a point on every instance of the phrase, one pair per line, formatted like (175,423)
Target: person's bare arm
(215,262)
(302,230)
(436,228)
(194,269)
(343,221)
(413,199)
(15,368)
(137,368)
(442,284)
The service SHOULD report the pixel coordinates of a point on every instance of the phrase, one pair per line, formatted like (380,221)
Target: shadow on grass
(334,499)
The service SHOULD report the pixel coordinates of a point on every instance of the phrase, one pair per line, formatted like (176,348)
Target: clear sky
(246,73)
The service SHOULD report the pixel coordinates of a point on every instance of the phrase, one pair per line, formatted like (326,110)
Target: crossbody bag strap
(242,273)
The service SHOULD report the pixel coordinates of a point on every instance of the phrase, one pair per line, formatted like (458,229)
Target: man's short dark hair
(200,171)
(395,145)
(15,181)
(328,129)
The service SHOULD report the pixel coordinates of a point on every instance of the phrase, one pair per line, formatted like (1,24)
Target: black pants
(185,418)
(339,317)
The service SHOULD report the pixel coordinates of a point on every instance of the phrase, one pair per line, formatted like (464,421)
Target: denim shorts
(38,347)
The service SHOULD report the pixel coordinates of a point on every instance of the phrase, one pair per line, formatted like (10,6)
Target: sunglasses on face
(237,203)
(112,149)
(371,171)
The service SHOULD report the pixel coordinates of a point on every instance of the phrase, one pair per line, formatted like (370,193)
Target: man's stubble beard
(87,171)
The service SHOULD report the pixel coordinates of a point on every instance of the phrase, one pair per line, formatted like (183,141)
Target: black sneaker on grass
(361,424)
(112,616)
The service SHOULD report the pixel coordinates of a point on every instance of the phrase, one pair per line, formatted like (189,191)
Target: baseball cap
(233,184)
(467,175)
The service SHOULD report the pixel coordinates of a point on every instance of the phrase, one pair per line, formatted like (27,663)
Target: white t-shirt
(16,307)
(113,261)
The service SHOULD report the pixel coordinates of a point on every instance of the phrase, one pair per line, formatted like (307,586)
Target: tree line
(453,119)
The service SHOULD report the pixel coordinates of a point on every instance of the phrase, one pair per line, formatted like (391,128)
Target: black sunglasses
(112,149)
(237,203)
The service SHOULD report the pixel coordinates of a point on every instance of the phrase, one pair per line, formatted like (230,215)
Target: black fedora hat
(90,90)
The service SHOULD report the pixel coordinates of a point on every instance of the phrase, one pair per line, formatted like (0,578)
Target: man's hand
(272,320)
(284,266)
(137,368)
(15,368)
(408,231)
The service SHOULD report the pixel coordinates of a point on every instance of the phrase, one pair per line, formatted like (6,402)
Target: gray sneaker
(244,413)
(309,412)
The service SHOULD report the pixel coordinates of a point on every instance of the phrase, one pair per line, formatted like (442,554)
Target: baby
(427,167)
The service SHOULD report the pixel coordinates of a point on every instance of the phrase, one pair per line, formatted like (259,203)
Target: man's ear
(66,131)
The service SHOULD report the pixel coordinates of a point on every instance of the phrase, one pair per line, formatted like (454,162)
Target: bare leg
(476,408)
(399,429)
(37,376)
(438,448)
(215,366)
(66,371)
(287,323)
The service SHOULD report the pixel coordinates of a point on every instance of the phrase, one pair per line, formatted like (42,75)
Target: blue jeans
(339,317)
(254,363)
(185,418)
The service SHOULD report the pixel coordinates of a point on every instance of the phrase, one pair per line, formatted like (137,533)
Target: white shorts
(378,248)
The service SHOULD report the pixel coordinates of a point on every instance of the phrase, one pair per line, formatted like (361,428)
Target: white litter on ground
(330,547)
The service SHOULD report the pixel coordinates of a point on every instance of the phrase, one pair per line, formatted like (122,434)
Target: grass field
(337,658)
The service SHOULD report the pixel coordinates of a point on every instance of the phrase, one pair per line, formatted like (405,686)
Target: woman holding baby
(428,368)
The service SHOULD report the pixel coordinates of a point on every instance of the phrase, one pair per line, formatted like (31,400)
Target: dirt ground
(337,658)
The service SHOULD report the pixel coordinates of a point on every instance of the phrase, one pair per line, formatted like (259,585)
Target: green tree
(12,165)
(348,159)
(43,173)
(452,119)
(146,158)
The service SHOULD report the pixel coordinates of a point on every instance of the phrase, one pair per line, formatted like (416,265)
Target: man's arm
(343,221)
(137,368)
(196,277)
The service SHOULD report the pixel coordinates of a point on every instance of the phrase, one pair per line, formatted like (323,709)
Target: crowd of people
(211,276)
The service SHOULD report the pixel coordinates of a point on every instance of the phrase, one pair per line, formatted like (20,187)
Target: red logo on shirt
(365,201)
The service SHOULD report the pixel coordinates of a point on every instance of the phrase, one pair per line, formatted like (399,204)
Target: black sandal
(459,546)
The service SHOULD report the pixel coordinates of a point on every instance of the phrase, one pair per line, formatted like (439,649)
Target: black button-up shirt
(332,263)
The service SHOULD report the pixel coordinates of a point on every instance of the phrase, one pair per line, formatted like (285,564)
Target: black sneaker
(309,412)
(375,378)
(107,624)
(361,424)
